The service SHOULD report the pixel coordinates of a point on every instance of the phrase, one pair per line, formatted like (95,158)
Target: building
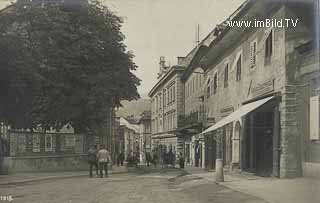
(128,137)
(192,123)
(262,90)
(166,107)
(145,134)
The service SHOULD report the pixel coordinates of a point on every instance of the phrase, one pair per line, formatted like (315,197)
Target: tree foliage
(61,65)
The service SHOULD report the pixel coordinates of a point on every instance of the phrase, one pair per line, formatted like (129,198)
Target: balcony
(193,119)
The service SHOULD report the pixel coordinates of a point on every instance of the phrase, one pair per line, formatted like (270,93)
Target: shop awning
(243,110)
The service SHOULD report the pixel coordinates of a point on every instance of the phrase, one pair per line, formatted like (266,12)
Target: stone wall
(291,128)
(34,151)
(47,163)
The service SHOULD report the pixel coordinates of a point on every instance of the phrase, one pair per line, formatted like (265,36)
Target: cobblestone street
(159,186)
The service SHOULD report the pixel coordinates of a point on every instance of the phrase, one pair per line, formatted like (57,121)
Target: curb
(234,189)
(21,182)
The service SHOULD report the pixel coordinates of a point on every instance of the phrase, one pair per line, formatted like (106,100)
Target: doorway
(210,152)
(258,142)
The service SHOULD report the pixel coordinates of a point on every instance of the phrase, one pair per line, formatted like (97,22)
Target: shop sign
(211,121)
(226,111)
(263,88)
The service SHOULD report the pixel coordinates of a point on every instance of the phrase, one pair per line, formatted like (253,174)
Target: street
(159,186)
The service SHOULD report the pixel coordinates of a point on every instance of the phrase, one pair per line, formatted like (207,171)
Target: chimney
(162,64)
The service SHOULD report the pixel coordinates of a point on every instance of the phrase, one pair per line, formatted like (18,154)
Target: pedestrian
(170,158)
(155,159)
(181,160)
(92,160)
(121,158)
(148,158)
(104,159)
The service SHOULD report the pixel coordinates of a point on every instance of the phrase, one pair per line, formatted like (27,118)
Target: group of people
(168,159)
(99,159)
(152,158)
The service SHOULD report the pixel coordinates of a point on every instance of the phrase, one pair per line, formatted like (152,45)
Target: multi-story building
(145,134)
(191,124)
(262,89)
(167,105)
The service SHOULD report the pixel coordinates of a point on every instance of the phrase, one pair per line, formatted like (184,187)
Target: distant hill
(135,107)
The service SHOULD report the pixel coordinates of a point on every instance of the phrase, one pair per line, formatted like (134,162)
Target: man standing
(148,158)
(103,157)
(181,160)
(92,159)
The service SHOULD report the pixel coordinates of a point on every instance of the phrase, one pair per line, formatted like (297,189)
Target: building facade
(145,134)
(253,88)
(192,123)
(167,105)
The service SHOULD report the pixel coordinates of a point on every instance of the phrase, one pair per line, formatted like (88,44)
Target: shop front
(248,138)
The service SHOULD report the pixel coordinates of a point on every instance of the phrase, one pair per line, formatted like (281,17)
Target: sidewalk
(20,178)
(273,190)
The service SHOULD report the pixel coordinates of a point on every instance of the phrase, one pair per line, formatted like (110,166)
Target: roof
(165,78)
(197,53)
(229,36)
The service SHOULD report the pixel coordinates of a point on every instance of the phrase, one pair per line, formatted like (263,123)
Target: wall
(193,89)
(290,126)
(47,163)
(230,98)
(30,151)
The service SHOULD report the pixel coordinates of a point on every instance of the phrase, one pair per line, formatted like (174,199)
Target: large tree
(63,65)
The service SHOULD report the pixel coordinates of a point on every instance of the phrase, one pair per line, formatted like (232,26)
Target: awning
(243,110)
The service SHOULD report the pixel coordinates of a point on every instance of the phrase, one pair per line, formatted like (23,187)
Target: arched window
(238,73)
(208,88)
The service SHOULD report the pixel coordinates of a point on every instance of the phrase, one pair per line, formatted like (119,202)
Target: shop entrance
(258,141)
(210,152)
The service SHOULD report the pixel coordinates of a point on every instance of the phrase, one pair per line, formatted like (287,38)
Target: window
(238,73)
(174,92)
(314,118)
(36,143)
(208,89)
(215,83)
(168,96)
(193,83)
(48,143)
(226,75)
(174,120)
(268,48)
(164,98)
(197,83)
(253,53)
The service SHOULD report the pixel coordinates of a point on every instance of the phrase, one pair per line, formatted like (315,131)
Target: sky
(155,28)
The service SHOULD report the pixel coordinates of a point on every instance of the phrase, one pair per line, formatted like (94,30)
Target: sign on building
(263,88)
(314,118)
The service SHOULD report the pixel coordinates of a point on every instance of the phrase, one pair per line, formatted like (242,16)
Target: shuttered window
(253,53)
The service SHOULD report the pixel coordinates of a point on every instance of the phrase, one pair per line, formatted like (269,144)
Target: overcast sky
(155,28)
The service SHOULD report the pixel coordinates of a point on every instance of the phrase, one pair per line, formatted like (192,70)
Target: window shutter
(314,118)
(251,59)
